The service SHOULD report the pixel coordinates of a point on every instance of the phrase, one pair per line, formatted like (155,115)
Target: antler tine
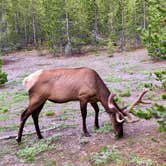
(139,100)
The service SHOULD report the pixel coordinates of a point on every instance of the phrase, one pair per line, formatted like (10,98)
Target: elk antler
(129,115)
(138,100)
(118,115)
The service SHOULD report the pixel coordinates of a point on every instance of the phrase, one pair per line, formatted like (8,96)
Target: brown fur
(64,85)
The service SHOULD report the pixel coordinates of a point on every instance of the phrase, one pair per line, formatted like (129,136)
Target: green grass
(139,161)
(105,129)
(163,96)
(4,117)
(50,113)
(13,99)
(9,127)
(30,152)
(104,156)
(51,163)
(113,79)
(3,110)
(125,94)
(64,126)
(17,97)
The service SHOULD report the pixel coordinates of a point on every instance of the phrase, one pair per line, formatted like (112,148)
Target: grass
(3,110)
(12,99)
(136,160)
(64,126)
(51,163)
(50,113)
(125,94)
(105,129)
(4,117)
(29,152)
(113,79)
(163,96)
(104,156)
(17,97)
(9,127)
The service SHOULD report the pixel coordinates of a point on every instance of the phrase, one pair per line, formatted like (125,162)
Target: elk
(73,84)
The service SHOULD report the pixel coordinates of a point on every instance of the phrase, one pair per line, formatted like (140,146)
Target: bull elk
(73,84)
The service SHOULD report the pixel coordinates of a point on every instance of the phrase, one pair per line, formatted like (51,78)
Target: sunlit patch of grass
(50,113)
(84,140)
(125,94)
(51,162)
(4,117)
(105,156)
(9,127)
(3,110)
(136,160)
(163,96)
(12,99)
(30,152)
(64,126)
(105,129)
(113,79)
(17,97)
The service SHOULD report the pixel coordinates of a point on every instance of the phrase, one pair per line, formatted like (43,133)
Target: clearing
(64,145)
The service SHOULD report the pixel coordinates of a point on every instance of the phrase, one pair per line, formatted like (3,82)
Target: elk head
(125,114)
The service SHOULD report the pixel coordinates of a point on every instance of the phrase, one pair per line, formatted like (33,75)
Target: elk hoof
(96,127)
(18,140)
(87,135)
(40,137)
(119,136)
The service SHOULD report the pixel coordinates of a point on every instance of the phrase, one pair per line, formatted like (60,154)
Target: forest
(124,41)
(67,25)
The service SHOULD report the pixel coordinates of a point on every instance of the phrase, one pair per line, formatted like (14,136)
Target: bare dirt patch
(142,144)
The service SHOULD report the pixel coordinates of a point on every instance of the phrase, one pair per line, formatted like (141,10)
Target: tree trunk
(34,25)
(25,29)
(68,50)
(144,14)
(96,22)
(123,30)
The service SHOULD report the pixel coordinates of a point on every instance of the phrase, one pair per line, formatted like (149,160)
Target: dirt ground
(142,144)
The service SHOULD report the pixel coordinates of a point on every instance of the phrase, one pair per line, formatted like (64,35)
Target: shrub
(157,111)
(3,76)
(161,76)
(154,35)
(164,96)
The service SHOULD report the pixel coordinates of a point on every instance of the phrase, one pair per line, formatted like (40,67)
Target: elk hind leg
(35,117)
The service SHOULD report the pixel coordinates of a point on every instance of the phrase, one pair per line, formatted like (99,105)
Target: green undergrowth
(160,75)
(113,79)
(139,161)
(12,99)
(106,128)
(107,156)
(157,111)
(30,152)
(163,96)
(3,110)
(104,156)
(125,94)
(50,113)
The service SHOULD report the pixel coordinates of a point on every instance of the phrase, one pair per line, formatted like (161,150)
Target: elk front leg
(96,108)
